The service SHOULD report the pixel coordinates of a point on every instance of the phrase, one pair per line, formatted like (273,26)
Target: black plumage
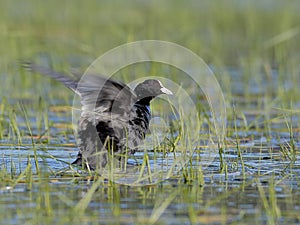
(114,119)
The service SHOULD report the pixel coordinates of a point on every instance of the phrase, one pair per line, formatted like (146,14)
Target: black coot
(114,119)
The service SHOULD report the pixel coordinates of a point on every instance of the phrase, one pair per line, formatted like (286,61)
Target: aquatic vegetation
(253,50)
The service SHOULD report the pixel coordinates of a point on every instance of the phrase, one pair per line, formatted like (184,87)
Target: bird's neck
(145,101)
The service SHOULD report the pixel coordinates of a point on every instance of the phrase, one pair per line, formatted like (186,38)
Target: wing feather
(98,93)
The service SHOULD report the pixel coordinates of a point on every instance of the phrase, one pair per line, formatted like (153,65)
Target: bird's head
(150,88)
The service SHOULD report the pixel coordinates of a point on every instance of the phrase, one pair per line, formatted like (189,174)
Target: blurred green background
(256,37)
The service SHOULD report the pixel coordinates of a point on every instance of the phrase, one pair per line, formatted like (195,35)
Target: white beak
(166,91)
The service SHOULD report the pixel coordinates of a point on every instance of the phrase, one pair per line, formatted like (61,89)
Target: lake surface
(259,183)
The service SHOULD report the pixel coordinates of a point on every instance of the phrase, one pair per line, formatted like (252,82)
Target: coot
(114,119)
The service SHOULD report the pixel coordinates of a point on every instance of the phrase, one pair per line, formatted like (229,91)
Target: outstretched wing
(98,94)
(67,81)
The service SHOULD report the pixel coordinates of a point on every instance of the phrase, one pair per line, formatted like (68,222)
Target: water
(229,197)
(258,185)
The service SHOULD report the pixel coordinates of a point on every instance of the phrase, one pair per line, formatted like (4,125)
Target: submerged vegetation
(253,49)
